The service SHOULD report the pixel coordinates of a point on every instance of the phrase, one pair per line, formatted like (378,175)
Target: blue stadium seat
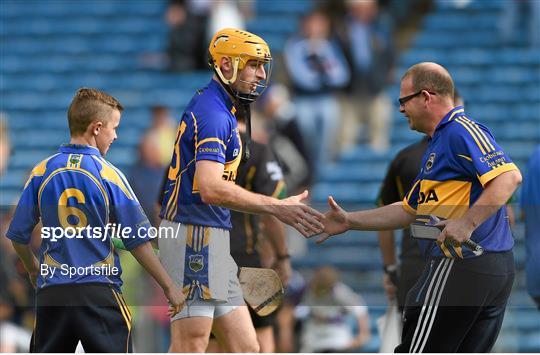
(13,179)
(284,25)
(346,192)
(358,172)
(9,197)
(280,7)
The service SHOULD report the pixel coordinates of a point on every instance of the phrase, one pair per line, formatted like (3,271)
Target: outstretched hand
(301,217)
(335,221)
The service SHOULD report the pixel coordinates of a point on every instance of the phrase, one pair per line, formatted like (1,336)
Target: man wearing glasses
(458,303)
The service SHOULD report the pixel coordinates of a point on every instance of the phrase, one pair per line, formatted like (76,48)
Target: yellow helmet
(241,46)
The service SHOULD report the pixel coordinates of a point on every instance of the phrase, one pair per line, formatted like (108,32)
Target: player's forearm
(229,195)
(495,195)
(27,257)
(383,218)
(388,247)
(146,257)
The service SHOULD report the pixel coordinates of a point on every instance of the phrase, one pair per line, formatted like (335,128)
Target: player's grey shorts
(199,261)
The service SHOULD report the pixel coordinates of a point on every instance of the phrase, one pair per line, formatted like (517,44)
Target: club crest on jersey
(430,162)
(196,262)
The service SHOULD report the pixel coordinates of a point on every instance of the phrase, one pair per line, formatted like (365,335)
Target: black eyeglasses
(403,100)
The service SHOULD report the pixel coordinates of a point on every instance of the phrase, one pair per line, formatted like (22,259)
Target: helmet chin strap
(243,105)
(247,118)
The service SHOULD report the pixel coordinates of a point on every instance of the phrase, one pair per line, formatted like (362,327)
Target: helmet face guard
(241,47)
(257,87)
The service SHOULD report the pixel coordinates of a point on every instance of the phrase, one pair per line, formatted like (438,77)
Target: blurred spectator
(227,13)
(317,68)
(324,309)
(143,177)
(367,37)
(154,155)
(162,133)
(519,17)
(5,145)
(530,204)
(288,334)
(187,21)
(16,315)
(17,293)
(13,338)
(285,138)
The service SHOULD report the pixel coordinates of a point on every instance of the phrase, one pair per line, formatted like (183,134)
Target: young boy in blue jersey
(458,303)
(200,190)
(81,200)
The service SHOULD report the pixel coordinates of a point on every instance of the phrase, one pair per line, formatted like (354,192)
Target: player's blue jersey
(461,158)
(78,193)
(530,205)
(207,131)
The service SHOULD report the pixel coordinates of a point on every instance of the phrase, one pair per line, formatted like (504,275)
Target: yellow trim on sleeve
(407,207)
(490,175)
(211,140)
(411,190)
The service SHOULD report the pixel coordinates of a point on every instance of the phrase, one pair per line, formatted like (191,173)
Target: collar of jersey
(78,149)
(449,117)
(217,88)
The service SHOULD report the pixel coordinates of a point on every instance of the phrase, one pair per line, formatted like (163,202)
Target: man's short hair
(427,77)
(87,106)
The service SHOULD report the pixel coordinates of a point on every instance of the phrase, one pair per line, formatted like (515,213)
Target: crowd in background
(333,74)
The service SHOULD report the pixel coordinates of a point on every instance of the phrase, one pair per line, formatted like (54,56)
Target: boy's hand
(176,300)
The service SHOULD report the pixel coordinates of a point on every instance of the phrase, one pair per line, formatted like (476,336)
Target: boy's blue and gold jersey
(461,158)
(207,131)
(77,190)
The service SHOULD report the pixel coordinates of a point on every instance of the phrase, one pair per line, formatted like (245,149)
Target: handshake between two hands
(310,222)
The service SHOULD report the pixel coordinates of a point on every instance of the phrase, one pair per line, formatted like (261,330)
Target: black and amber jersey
(461,158)
(397,182)
(262,174)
